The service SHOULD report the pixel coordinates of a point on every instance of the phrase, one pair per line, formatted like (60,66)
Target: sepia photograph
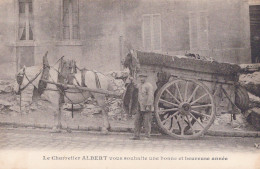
(129,84)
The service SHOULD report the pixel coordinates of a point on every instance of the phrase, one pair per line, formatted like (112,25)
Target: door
(26,56)
(254,12)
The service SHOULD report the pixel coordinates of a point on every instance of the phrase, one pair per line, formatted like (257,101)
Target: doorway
(254,12)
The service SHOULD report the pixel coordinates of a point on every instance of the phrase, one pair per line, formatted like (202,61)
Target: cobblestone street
(38,139)
(26,148)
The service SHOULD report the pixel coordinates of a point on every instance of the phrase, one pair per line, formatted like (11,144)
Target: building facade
(98,33)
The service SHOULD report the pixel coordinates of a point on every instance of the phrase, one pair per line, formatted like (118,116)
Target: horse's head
(72,66)
(27,76)
(19,80)
(31,75)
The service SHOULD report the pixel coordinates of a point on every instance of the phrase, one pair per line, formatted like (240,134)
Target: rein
(61,90)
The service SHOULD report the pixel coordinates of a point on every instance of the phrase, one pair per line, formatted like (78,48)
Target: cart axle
(185,108)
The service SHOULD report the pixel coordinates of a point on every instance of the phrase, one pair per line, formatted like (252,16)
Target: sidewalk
(39,119)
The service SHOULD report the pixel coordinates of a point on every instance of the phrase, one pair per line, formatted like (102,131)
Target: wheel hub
(185,108)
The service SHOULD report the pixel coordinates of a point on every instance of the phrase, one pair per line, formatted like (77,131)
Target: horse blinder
(19,79)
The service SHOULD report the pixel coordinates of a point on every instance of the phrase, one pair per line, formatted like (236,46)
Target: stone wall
(7,39)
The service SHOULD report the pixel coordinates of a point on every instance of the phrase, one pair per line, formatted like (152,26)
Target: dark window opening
(25,31)
(254,12)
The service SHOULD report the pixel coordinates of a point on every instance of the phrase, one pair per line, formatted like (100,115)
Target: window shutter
(75,32)
(147,32)
(31,21)
(22,25)
(30,7)
(22,33)
(66,32)
(75,19)
(193,30)
(21,7)
(66,28)
(65,5)
(156,32)
(30,32)
(65,13)
(22,21)
(70,19)
(74,6)
(203,30)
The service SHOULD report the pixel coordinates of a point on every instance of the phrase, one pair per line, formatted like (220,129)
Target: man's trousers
(145,118)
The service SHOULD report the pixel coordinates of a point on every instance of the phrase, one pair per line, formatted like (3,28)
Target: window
(70,19)
(25,20)
(198,23)
(152,32)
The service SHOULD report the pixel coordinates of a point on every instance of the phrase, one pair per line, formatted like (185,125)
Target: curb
(79,128)
(131,130)
(233,133)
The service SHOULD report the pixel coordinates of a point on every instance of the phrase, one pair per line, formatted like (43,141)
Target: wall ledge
(69,43)
(25,43)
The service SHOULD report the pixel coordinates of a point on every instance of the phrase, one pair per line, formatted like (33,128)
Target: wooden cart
(188,92)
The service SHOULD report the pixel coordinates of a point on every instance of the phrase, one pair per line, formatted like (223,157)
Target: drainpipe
(121,34)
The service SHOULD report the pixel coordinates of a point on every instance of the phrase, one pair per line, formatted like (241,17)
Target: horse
(65,73)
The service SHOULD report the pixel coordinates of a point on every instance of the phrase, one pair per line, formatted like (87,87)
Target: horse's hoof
(104,131)
(109,128)
(55,131)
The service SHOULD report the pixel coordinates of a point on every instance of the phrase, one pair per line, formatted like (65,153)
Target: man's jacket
(146,97)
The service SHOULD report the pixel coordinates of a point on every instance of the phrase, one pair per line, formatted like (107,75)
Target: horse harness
(83,78)
(67,71)
(20,78)
(66,75)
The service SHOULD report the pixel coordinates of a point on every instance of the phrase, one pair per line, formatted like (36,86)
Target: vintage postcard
(123,84)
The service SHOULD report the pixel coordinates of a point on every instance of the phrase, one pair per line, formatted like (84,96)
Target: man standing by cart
(146,107)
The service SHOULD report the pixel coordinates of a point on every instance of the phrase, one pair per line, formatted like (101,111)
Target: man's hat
(128,45)
(142,75)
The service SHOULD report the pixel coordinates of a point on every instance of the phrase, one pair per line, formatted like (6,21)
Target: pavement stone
(84,141)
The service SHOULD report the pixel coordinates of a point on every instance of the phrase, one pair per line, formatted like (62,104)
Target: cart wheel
(184,109)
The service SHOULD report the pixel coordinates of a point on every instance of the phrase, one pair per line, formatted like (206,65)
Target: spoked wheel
(184,109)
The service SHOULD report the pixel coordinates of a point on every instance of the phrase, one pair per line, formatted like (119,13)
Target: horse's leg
(35,95)
(57,106)
(130,103)
(101,100)
(60,107)
(67,119)
(59,115)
